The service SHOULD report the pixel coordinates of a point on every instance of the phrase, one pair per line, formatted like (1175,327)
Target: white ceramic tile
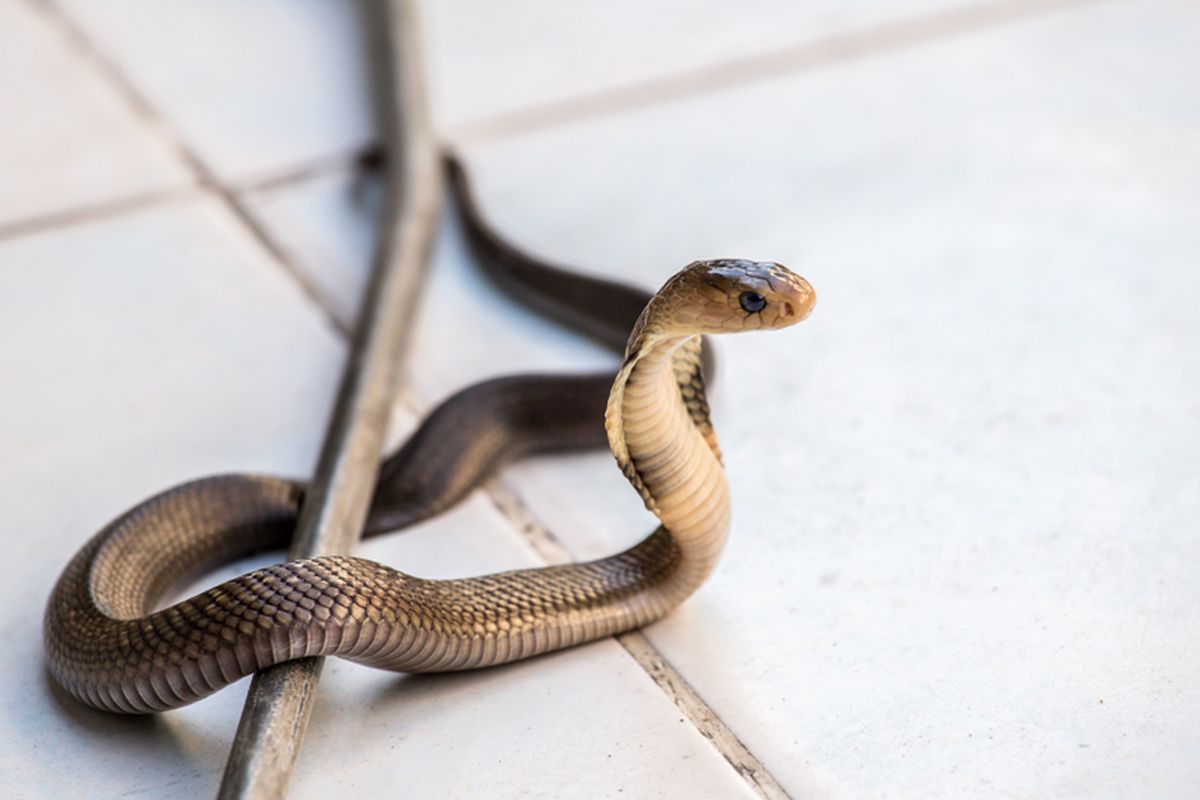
(162,346)
(67,140)
(491,58)
(252,87)
(964,545)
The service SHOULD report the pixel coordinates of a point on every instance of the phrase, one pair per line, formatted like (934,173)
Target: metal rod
(281,698)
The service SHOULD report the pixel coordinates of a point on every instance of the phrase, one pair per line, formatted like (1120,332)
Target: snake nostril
(788,311)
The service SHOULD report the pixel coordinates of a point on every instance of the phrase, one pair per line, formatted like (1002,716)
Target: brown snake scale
(108,648)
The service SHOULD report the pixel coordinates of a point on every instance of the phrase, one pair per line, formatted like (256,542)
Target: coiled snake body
(106,649)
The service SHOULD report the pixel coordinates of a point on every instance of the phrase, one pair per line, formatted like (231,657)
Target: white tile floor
(965,548)
(224,78)
(69,139)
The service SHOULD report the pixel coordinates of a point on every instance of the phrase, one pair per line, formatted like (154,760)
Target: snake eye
(752,302)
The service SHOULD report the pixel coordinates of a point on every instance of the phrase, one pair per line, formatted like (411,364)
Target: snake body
(108,648)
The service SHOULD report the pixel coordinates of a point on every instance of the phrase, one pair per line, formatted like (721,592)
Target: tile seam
(702,716)
(120,205)
(715,77)
(333,162)
(91,212)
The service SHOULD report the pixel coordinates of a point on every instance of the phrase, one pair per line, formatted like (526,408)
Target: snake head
(731,295)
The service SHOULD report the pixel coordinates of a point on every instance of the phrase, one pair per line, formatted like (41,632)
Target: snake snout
(795,300)
(800,305)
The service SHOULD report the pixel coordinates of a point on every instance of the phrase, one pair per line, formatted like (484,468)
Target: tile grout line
(90,212)
(715,77)
(338,164)
(702,716)
(90,54)
(698,713)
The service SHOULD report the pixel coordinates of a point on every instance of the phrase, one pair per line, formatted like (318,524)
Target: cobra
(108,649)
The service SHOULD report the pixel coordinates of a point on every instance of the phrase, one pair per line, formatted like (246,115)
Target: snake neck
(658,427)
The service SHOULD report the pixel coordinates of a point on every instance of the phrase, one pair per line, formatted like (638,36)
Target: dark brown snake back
(113,654)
